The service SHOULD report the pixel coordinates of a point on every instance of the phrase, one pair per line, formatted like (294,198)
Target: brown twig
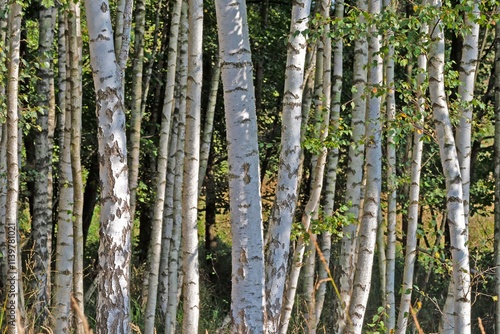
(79,314)
(417,324)
(481,327)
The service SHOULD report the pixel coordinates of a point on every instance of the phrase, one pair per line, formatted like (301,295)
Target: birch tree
(13,269)
(156,234)
(497,176)
(113,303)
(414,197)
(355,173)
(282,215)
(247,293)
(191,284)
(42,204)
(368,228)
(451,168)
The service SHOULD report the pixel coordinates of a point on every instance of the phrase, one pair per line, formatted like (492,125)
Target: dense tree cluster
(239,166)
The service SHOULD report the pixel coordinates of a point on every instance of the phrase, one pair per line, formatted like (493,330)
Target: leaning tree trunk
(282,216)
(42,197)
(414,197)
(191,284)
(113,303)
(354,176)
(247,292)
(451,168)
(13,269)
(369,222)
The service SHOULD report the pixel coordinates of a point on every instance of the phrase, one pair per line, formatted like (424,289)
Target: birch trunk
(467,77)
(333,155)
(497,176)
(191,284)
(113,303)
(75,107)
(368,228)
(451,168)
(247,293)
(390,264)
(136,102)
(3,158)
(206,139)
(42,199)
(282,215)
(13,269)
(161,178)
(414,197)
(63,285)
(174,260)
(354,175)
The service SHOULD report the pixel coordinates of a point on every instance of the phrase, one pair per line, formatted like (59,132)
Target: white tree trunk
(191,284)
(354,175)
(247,293)
(451,168)
(282,216)
(414,197)
(156,233)
(467,79)
(175,259)
(368,228)
(113,303)
(13,268)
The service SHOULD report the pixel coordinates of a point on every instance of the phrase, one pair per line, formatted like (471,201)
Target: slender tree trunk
(414,197)
(392,183)
(113,303)
(191,284)
(136,102)
(63,287)
(174,259)
(333,157)
(3,158)
(282,215)
(247,293)
(451,168)
(13,269)
(42,197)
(497,176)
(156,234)
(206,139)
(354,176)
(467,77)
(369,222)
(75,105)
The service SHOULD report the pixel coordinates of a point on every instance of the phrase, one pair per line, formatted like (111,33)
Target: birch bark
(247,293)
(113,303)
(282,216)
(451,168)
(191,284)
